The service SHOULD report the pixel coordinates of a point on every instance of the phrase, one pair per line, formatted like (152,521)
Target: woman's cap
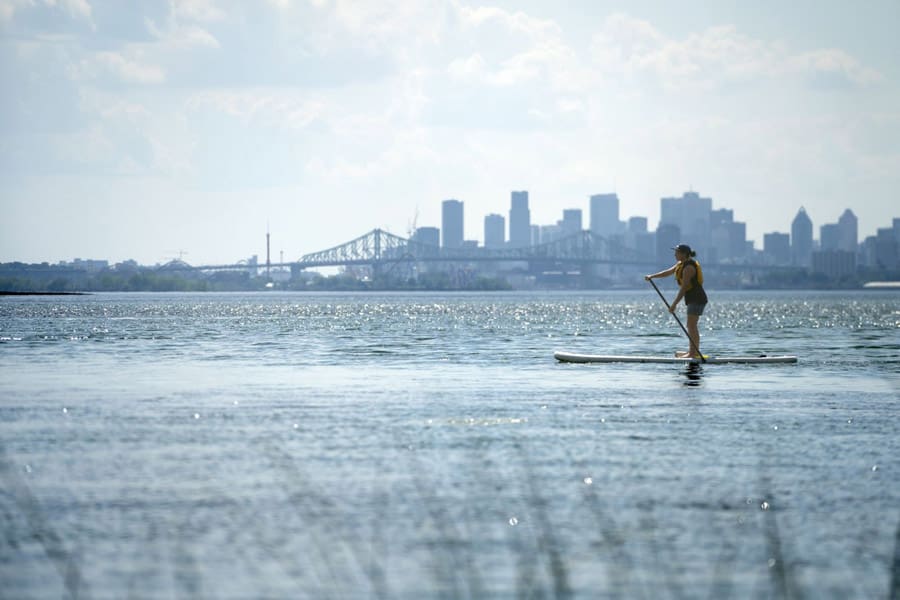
(683,248)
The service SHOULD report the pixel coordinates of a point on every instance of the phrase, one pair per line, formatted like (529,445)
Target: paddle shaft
(666,302)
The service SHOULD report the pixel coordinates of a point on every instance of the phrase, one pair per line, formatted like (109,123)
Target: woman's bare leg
(694,333)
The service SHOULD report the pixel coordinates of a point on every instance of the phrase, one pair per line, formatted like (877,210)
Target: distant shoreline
(5,293)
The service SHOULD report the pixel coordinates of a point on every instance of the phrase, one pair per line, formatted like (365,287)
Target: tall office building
(637,225)
(722,216)
(430,236)
(829,237)
(886,248)
(519,220)
(605,214)
(494,231)
(801,239)
(551,233)
(738,248)
(848,232)
(777,247)
(667,237)
(728,238)
(836,257)
(452,224)
(639,240)
(691,214)
(571,221)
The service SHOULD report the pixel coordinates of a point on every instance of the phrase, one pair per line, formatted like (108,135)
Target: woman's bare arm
(665,273)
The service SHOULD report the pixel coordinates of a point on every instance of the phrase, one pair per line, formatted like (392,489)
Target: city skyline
(612,213)
(799,236)
(144,131)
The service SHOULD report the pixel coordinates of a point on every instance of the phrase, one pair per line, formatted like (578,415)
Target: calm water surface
(428,445)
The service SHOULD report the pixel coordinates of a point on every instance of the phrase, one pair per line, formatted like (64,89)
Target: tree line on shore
(148,281)
(17,278)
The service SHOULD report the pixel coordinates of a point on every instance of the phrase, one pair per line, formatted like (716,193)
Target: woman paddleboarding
(689,276)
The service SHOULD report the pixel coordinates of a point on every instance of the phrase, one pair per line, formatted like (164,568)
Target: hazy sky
(138,129)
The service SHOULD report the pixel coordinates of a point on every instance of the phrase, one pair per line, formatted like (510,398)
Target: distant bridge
(379,248)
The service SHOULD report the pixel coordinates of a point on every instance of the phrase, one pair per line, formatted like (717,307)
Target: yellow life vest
(680,268)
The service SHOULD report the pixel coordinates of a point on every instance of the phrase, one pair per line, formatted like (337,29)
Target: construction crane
(411,226)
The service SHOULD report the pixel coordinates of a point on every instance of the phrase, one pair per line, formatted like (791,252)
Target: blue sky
(138,129)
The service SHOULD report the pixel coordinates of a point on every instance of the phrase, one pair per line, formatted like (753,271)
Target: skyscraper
(427,235)
(604,214)
(848,232)
(667,236)
(451,224)
(777,246)
(494,231)
(551,233)
(801,239)
(829,236)
(691,214)
(571,221)
(886,247)
(728,238)
(720,222)
(722,216)
(519,220)
(637,225)
(737,238)
(639,240)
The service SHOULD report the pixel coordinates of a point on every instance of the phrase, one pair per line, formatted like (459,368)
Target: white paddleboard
(574,357)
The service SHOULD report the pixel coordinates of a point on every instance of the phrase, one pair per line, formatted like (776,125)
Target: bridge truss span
(379,247)
(582,252)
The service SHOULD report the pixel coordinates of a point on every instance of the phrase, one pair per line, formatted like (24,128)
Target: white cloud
(472,68)
(7,10)
(195,36)
(836,66)
(633,48)
(517,22)
(180,30)
(183,36)
(521,64)
(274,108)
(393,26)
(718,56)
(77,9)
(125,69)
(197,10)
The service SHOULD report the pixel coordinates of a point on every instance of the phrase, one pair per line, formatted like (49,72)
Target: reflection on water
(693,374)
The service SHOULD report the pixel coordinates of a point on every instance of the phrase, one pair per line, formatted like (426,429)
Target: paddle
(693,345)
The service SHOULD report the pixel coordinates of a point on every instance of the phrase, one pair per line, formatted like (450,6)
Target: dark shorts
(695,309)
